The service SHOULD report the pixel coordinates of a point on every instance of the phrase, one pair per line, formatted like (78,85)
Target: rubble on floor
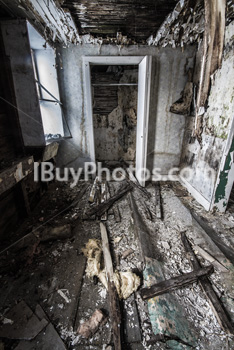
(53,275)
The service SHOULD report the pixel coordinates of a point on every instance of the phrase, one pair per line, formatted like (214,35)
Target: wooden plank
(25,197)
(101,208)
(133,84)
(30,237)
(103,198)
(15,173)
(210,258)
(158,205)
(131,323)
(136,183)
(142,232)
(166,313)
(218,309)
(225,249)
(116,207)
(50,151)
(213,41)
(174,283)
(93,190)
(115,314)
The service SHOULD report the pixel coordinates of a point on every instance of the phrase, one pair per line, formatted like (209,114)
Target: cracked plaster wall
(166,130)
(205,158)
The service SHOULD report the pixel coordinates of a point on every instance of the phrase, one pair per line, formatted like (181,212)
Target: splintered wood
(174,283)
(158,205)
(93,190)
(115,314)
(206,285)
(116,207)
(134,181)
(103,198)
(101,208)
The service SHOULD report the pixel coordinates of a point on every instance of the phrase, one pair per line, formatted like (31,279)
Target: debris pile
(126,282)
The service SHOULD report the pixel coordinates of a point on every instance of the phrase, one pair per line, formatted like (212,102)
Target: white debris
(63,295)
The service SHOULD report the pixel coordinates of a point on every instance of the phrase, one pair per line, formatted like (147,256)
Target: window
(43,58)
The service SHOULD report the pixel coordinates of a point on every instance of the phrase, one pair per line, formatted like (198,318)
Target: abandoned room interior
(116,174)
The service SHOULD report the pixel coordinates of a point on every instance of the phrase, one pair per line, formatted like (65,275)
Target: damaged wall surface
(50,19)
(204,158)
(115,132)
(166,130)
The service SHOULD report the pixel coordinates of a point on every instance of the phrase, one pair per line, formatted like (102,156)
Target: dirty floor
(49,275)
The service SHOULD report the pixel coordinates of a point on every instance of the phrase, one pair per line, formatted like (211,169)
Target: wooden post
(213,41)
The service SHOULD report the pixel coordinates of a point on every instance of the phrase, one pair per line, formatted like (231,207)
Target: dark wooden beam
(217,307)
(101,208)
(115,313)
(15,173)
(174,283)
(213,41)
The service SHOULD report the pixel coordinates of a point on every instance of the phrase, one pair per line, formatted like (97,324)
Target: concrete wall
(204,158)
(166,130)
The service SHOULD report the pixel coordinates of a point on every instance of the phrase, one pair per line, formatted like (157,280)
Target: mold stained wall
(166,130)
(205,158)
(115,133)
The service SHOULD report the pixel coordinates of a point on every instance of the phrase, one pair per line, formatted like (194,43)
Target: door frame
(144,81)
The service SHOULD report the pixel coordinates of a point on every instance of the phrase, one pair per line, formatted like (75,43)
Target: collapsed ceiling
(136,19)
(121,22)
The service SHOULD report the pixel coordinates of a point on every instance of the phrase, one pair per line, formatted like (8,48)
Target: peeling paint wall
(54,23)
(166,130)
(204,158)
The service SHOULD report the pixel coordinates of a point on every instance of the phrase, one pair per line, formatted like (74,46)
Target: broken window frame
(40,87)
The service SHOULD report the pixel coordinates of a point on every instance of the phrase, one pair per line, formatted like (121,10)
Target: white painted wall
(166,130)
(206,158)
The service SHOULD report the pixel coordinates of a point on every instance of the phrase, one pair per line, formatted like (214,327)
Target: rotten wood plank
(116,207)
(115,314)
(225,249)
(216,305)
(213,42)
(158,205)
(93,190)
(142,232)
(103,199)
(210,258)
(132,178)
(101,208)
(50,151)
(174,283)
(31,237)
(14,174)
(131,322)
(25,197)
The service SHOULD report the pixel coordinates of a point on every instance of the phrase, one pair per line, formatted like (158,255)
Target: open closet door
(144,80)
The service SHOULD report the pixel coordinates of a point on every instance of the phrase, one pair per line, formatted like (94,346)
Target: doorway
(114,95)
(143,84)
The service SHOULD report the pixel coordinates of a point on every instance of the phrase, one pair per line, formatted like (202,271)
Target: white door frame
(144,79)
